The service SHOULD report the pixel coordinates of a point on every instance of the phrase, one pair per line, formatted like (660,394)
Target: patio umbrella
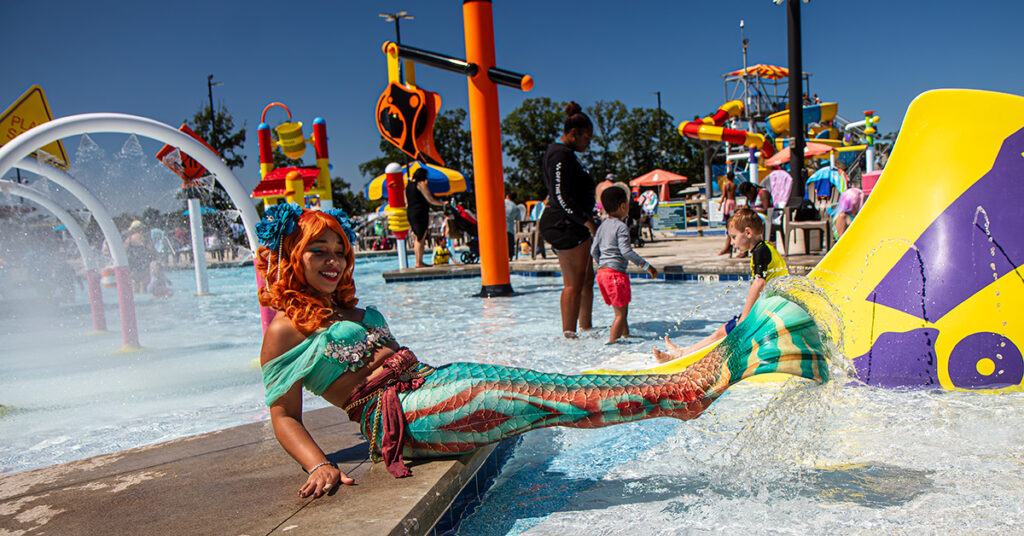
(440,181)
(827,178)
(658,177)
(812,149)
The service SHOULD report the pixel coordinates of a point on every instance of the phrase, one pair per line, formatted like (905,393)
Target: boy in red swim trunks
(611,250)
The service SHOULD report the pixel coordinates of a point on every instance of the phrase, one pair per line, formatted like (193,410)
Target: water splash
(978,213)
(699,308)
(128,181)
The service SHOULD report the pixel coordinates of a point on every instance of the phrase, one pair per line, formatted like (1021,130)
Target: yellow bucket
(289,135)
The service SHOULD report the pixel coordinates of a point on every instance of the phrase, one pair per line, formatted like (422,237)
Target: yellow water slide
(927,281)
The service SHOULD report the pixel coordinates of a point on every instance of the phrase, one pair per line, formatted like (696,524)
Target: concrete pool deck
(675,257)
(239,481)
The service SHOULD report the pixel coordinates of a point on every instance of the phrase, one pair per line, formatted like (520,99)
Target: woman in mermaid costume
(321,341)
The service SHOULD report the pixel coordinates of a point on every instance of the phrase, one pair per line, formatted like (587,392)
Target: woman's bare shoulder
(281,336)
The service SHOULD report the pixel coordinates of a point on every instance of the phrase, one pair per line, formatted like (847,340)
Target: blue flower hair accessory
(278,221)
(344,221)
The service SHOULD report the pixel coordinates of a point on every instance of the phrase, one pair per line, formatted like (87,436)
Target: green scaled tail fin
(777,336)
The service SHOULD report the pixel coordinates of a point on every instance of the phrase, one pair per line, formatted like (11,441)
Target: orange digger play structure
(405,116)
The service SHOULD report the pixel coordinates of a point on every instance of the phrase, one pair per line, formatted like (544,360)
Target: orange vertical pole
(485,127)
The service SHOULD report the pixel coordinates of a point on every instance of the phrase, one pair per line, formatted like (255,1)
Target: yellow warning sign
(31,109)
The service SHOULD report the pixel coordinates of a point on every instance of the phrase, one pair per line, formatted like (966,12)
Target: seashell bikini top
(326,354)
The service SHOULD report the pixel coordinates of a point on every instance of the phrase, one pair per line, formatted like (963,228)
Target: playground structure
(758,97)
(15,154)
(764,93)
(403,110)
(308,186)
(441,181)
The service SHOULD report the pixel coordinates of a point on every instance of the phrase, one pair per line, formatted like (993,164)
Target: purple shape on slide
(953,256)
(963,362)
(901,360)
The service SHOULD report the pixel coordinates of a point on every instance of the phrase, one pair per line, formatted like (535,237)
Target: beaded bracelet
(317,466)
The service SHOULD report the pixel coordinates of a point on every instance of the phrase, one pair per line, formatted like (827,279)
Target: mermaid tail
(463,406)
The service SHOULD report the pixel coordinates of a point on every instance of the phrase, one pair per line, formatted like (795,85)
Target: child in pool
(746,232)
(611,250)
(441,253)
(159,286)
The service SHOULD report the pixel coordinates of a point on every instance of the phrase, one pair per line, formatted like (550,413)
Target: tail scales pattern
(463,406)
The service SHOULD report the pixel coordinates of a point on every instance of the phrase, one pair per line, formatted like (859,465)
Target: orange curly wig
(287,289)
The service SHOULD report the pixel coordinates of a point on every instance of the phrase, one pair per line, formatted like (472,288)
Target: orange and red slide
(710,129)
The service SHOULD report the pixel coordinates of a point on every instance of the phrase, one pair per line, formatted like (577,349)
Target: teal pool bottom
(792,458)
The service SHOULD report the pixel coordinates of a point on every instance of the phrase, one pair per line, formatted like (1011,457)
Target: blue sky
(323,58)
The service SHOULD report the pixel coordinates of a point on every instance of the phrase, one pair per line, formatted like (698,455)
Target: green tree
(638,145)
(648,141)
(389,153)
(527,132)
(353,203)
(218,129)
(602,158)
(454,142)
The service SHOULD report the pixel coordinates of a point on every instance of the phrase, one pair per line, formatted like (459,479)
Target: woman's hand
(591,226)
(323,479)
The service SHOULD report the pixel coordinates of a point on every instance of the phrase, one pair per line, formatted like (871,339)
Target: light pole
(209,89)
(746,88)
(396,17)
(658,93)
(796,104)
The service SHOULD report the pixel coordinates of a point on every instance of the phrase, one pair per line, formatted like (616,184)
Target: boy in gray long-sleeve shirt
(611,251)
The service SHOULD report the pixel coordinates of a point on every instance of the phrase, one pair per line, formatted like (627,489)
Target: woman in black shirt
(417,201)
(568,220)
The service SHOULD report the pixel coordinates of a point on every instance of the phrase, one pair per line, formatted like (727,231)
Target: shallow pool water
(793,458)
(69,394)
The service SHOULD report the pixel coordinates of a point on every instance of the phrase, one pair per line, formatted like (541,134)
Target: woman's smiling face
(323,262)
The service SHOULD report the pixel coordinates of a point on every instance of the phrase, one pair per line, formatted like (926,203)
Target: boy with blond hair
(746,233)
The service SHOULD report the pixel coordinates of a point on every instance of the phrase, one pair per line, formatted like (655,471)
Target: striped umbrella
(440,181)
(761,70)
